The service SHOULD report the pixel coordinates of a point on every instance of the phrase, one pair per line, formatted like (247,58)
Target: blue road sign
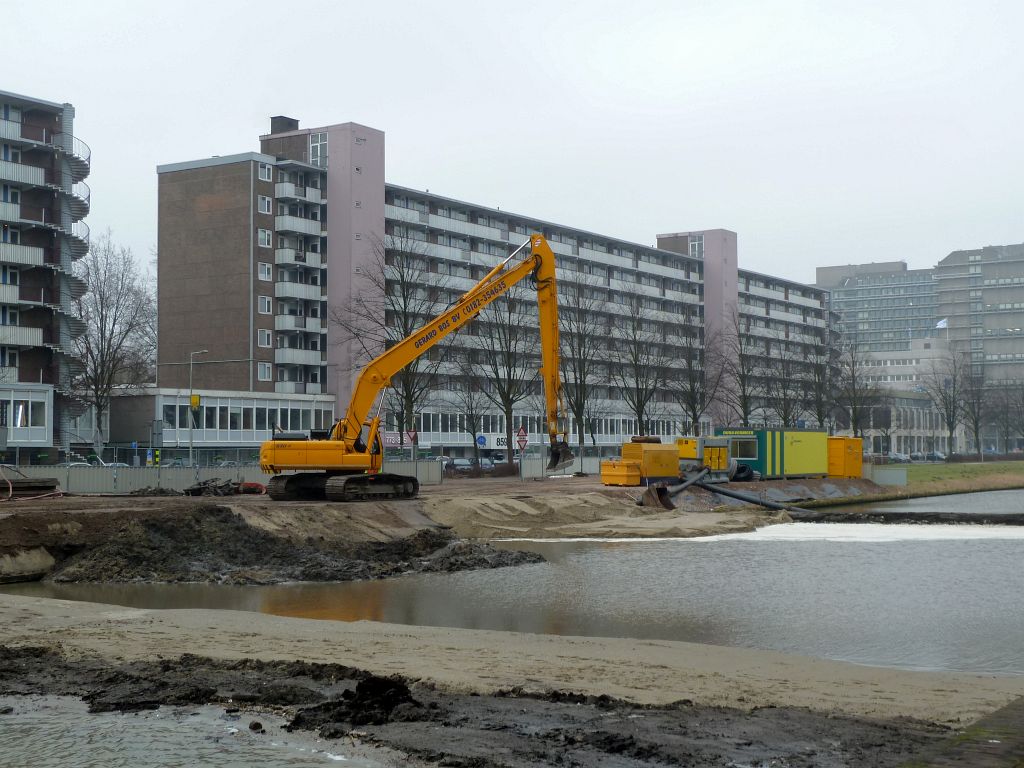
(481,440)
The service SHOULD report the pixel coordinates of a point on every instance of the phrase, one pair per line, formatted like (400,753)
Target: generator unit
(711,453)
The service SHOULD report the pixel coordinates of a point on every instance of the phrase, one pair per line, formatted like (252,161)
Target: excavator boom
(353,445)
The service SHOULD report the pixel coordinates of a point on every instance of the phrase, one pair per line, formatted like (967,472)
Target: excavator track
(277,489)
(367,487)
(304,486)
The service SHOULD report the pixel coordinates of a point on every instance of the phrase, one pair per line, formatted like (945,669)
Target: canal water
(935,597)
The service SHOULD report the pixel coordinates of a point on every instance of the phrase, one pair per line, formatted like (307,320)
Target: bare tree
(697,370)
(976,406)
(857,393)
(945,382)
(471,402)
(506,354)
(1004,401)
(1016,412)
(822,377)
(785,381)
(118,309)
(580,333)
(743,382)
(636,360)
(397,293)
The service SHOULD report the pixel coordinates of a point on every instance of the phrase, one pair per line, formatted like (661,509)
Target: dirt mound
(210,543)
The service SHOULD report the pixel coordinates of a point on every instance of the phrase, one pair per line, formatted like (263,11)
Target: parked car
(228,464)
(486,466)
(459,467)
(74,464)
(117,464)
(898,458)
(935,456)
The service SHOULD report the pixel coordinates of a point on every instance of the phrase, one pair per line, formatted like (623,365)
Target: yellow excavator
(346,466)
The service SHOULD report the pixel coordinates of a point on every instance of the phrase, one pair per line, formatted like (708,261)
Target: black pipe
(749,499)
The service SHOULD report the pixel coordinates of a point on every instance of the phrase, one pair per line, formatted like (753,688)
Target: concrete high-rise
(43,199)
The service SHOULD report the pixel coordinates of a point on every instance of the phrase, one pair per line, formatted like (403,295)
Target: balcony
(27,255)
(22,174)
(300,291)
(289,191)
(297,388)
(299,225)
(286,356)
(297,323)
(17,335)
(293,257)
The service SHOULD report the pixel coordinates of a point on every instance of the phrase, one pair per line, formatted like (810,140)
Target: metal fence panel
(129,479)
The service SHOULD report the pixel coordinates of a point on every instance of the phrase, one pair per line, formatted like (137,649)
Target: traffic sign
(411,434)
(522,442)
(481,440)
(521,432)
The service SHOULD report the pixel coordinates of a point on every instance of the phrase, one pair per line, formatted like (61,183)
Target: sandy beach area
(642,671)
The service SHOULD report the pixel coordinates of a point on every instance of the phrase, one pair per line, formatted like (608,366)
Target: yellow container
(689,447)
(715,453)
(619,472)
(845,457)
(657,461)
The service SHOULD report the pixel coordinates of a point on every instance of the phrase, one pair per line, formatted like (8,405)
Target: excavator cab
(561,455)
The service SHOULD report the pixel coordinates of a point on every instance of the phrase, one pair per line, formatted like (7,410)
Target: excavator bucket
(657,496)
(561,456)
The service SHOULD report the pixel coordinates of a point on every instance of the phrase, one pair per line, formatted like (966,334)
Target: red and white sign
(411,434)
(521,434)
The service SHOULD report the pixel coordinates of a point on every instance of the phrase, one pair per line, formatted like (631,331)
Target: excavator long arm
(540,264)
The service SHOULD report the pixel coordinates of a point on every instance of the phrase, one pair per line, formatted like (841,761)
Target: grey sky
(822,132)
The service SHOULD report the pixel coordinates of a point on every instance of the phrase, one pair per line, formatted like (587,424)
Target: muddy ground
(508,729)
(253,540)
(180,540)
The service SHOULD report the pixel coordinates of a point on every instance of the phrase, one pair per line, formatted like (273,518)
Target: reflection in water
(914,596)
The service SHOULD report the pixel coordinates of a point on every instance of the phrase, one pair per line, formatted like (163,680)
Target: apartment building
(258,250)
(43,199)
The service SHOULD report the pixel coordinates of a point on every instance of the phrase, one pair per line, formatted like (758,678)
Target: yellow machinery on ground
(710,453)
(347,465)
(644,461)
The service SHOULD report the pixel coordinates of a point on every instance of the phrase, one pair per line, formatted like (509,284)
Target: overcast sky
(822,132)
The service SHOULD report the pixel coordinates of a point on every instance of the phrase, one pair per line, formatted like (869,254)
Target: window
(264,372)
(265,204)
(265,338)
(266,173)
(266,271)
(318,149)
(265,305)
(264,238)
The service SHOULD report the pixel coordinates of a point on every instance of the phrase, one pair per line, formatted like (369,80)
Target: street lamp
(191,408)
